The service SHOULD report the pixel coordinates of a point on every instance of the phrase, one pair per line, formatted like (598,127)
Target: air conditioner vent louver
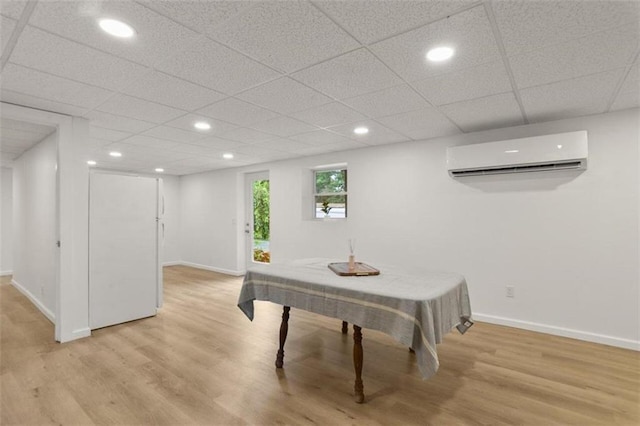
(565,151)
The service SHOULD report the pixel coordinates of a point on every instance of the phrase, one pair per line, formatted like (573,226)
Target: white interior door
(123,248)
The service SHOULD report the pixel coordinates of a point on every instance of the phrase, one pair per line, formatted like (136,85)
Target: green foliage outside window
(331,193)
(261,210)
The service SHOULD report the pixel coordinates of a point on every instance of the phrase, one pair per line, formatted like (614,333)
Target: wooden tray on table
(360,270)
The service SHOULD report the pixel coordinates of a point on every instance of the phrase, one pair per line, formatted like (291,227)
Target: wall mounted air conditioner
(561,151)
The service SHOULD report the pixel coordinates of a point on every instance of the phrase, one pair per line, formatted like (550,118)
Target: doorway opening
(258,221)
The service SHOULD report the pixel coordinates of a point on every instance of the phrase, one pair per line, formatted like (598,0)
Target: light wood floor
(201,361)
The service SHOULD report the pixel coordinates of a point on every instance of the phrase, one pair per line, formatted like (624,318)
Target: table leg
(345,327)
(357,363)
(284,328)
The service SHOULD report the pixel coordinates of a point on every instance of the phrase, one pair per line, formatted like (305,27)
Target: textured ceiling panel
(217,67)
(390,101)
(285,96)
(168,90)
(156,36)
(371,21)
(349,75)
(469,33)
(470,83)
(298,35)
(491,112)
(588,55)
(74,61)
(421,124)
(529,25)
(570,98)
(330,114)
(46,86)
(238,112)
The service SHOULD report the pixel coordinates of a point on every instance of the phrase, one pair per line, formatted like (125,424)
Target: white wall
(171,247)
(6,214)
(567,241)
(34,224)
(208,220)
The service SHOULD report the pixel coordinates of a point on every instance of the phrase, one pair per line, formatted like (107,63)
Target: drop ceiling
(283,79)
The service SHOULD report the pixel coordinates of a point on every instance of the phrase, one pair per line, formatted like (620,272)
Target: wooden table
(416,307)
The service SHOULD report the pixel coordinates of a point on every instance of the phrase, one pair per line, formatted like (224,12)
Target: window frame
(333,167)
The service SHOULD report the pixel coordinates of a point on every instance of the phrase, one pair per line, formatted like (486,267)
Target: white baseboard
(560,331)
(211,268)
(172,263)
(3,273)
(47,313)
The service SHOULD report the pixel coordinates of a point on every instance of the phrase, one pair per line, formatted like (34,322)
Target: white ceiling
(282,79)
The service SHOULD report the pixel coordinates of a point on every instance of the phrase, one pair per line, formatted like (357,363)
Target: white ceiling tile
(172,91)
(370,21)
(393,100)
(46,86)
(16,135)
(330,114)
(220,143)
(491,112)
(12,8)
(283,126)
(246,135)
(323,149)
(39,103)
(116,122)
(186,122)
(6,29)
(629,94)
(196,150)
(156,36)
(285,96)
(238,112)
(469,33)
(421,124)
(349,75)
(475,82)
(55,55)
(217,67)
(258,151)
(529,25)
(94,144)
(588,55)
(200,16)
(174,134)
(378,134)
(298,35)
(320,138)
(149,142)
(570,98)
(139,109)
(282,144)
(107,134)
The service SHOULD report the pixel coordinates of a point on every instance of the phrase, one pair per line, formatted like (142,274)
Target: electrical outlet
(511,291)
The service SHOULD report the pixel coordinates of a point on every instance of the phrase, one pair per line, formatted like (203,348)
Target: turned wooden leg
(284,328)
(345,327)
(357,363)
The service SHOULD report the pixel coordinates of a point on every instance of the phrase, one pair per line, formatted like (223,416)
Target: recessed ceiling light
(439,54)
(201,125)
(116,28)
(159,170)
(360,130)
(91,163)
(115,154)
(227,156)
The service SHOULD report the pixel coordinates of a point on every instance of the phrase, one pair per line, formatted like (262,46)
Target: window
(330,194)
